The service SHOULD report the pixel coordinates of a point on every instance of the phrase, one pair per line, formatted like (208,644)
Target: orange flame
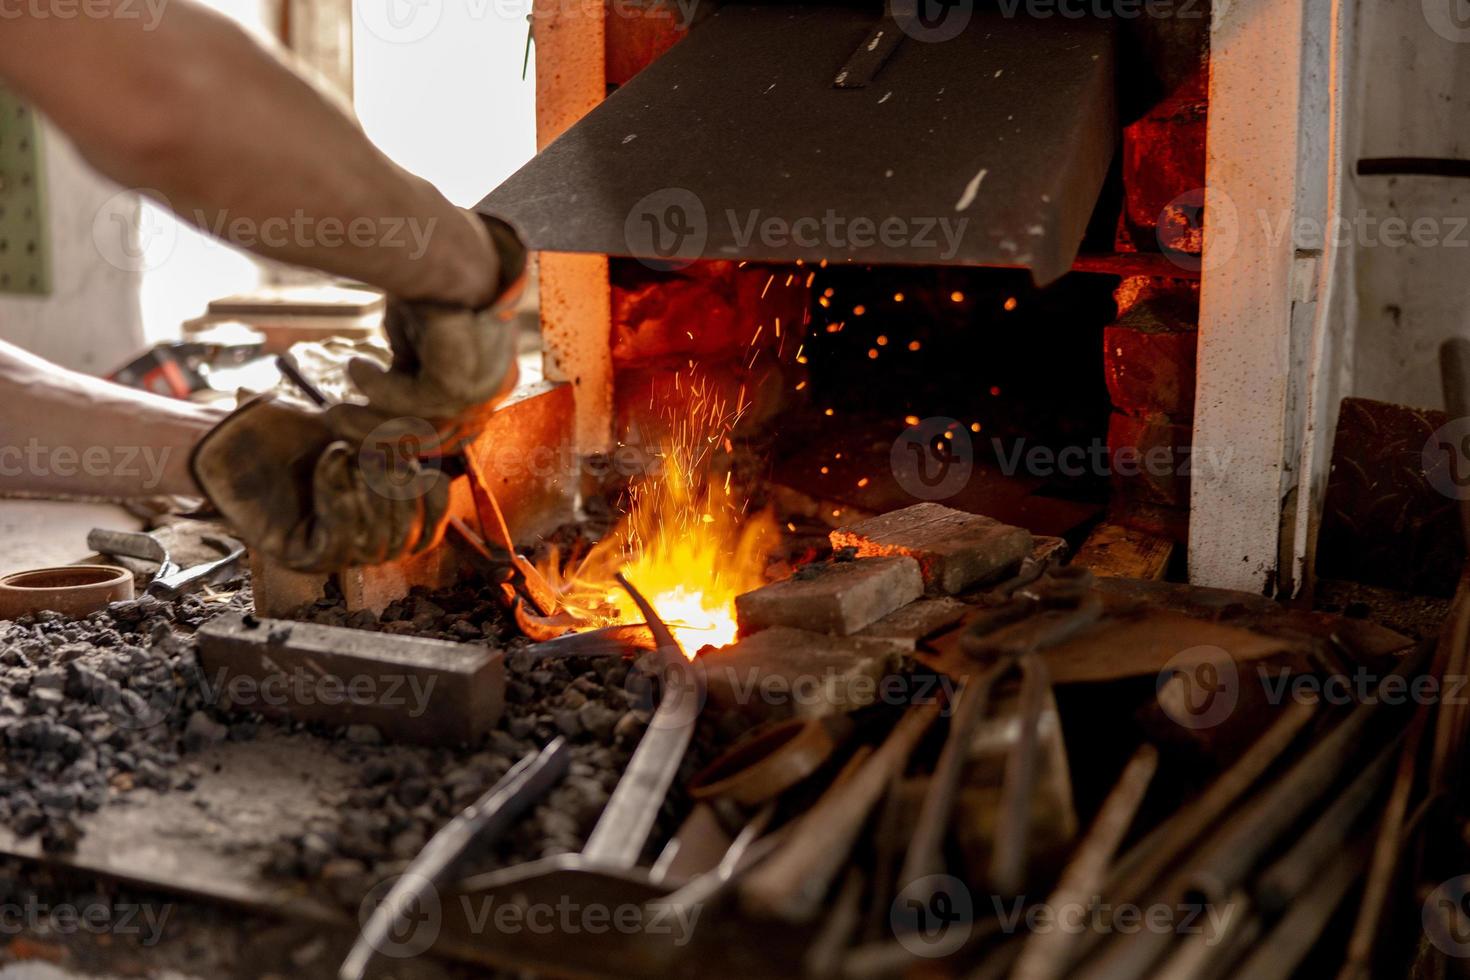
(688,542)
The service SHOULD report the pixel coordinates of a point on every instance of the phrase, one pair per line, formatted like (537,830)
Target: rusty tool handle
(791,883)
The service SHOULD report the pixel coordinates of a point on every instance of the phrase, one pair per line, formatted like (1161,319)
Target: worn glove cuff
(511,249)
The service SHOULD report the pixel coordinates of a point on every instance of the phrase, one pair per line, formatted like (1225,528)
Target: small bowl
(73,590)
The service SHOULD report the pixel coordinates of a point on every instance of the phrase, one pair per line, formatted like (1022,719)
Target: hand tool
(170,581)
(1251,832)
(1318,845)
(769,762)
(1008,862)
(1045,954)
(622,640)
(481,823)
(1036,616)
(605,874)
(924,856)
(791,884)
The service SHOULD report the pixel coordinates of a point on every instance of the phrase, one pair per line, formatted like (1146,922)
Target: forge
(900,555)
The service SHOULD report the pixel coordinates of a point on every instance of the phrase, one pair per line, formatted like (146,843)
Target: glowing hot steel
(688,543)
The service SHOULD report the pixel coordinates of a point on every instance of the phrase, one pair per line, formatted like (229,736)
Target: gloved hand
(451,366)
(311,500)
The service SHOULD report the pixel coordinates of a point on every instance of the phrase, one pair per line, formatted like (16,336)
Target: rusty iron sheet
(985,148)
(1139,646)
(1391,513)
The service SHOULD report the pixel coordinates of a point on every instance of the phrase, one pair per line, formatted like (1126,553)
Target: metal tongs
(606,872)
(170,581)
(436,865)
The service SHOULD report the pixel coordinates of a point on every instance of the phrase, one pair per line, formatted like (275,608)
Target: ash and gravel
(93,707)
(405,793)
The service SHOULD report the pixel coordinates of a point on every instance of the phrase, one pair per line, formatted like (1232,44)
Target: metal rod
(1201,955)
(1009,858)
(287,365)
(1047,954)
(924,852)
(1240,845)
(1164,846)
(1278,955)
(1294,871)
(481,822)
(1168,846)
(1388,845)
(622,830)
(792,883)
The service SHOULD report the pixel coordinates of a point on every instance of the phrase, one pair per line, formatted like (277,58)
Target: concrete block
(838,597)
(410,688)
(955,550)
(784,673)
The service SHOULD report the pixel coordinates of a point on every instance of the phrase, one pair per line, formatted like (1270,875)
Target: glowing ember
(688,543)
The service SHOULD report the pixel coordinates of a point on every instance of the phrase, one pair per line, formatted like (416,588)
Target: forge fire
(653,489)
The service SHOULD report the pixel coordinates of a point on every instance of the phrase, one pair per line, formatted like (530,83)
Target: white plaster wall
(1414,90)
(91,321)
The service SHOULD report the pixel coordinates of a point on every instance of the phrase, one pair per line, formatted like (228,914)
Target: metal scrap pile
(939,751)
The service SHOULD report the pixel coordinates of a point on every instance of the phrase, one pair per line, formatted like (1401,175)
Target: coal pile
(92,708)
(406,793)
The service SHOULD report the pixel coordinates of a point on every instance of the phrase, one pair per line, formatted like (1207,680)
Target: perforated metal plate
(24,249)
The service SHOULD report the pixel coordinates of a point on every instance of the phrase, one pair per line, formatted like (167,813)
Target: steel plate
(988,148)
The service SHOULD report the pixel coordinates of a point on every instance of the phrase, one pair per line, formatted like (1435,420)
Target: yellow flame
(687,543)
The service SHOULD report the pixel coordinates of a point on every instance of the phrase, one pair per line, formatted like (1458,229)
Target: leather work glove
(314,502)
(451,367)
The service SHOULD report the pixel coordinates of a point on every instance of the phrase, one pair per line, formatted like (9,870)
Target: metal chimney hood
(776,133)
